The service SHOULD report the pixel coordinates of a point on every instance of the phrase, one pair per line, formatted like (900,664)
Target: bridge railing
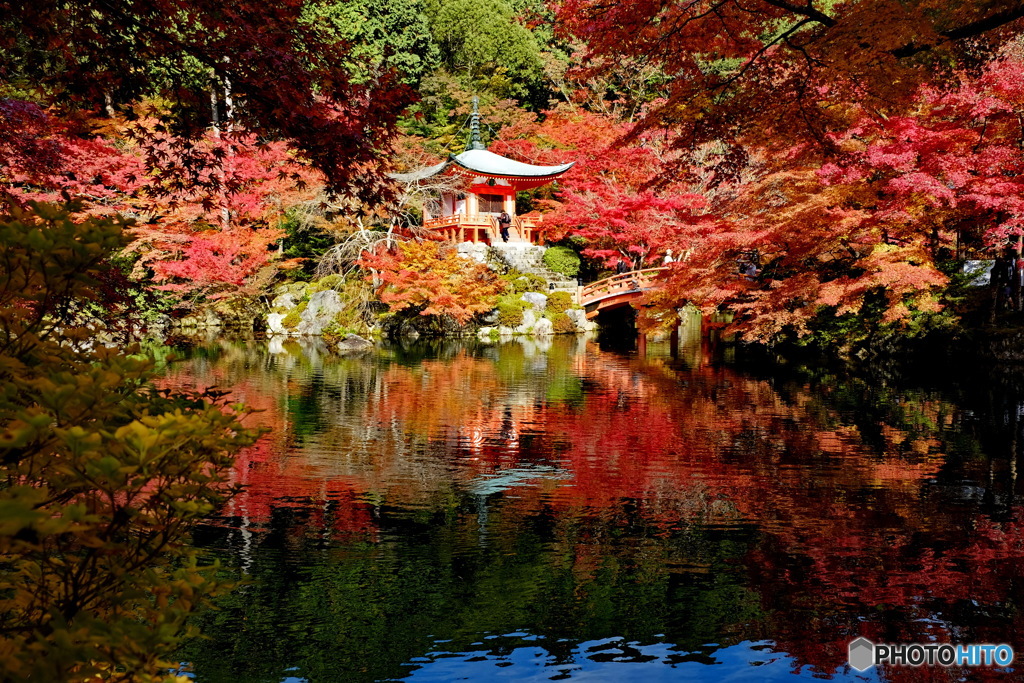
(623,282)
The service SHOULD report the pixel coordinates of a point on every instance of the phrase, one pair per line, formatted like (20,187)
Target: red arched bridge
(618,290)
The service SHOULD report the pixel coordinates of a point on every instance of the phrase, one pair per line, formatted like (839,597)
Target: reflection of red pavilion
(488,185)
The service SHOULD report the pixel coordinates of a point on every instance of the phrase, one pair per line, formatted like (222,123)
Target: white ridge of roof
(489,163)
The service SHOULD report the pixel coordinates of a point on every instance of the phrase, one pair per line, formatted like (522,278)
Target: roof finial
(474,127)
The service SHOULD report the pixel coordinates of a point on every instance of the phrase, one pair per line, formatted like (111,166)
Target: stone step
(529,259)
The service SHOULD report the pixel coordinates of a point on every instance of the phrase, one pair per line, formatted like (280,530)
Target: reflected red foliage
(851,524)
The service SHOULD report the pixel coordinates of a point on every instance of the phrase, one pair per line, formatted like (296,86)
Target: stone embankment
(535,320)
(313,309)
(524,257)
(300,310)
(317,309)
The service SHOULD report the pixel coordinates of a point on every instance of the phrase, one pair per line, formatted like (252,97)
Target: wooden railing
(634,280)
(461,227)
(529,229)
(481,228)
(456,220)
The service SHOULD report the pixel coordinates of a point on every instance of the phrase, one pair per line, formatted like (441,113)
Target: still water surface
(559,511)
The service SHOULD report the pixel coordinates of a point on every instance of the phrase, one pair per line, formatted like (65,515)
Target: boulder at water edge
(274,324)
(535,299)
(353,343)
(543,328)
(578,316)
(321,311)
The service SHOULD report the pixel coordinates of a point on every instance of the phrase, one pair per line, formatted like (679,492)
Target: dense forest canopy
(850,149)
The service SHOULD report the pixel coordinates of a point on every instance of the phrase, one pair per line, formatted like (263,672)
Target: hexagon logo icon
(862,654)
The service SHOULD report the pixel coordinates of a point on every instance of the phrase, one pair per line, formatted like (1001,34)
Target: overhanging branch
(971,30)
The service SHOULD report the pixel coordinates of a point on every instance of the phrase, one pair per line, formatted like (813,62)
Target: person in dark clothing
(1002,281)
(624,266)
(504,221)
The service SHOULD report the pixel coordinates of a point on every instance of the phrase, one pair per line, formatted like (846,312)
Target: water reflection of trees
(620,497)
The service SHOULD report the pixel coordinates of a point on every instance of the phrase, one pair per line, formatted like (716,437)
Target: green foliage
(482,41)
(383,34)
(510,313)
(532,283)
(563,260)
(304,242)
(292,319)
(527,282)
(103,475)
(560,302)
(562,324)
(143,306)
(329,282)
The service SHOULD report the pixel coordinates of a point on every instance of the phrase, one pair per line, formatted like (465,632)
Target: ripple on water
(519,657)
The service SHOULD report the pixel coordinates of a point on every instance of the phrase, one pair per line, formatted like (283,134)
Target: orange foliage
(431,279)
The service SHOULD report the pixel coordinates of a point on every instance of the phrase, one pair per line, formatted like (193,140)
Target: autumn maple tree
(953,163)
(842,149)
(610,198)
(869,224)
(429,278)
(265,68)
(212,245)
(191,117)
(782,71)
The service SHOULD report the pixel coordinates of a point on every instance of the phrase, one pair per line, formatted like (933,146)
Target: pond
(563,510)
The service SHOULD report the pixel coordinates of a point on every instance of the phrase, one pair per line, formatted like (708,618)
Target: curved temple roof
(477,161)
(419,174)
(484,163)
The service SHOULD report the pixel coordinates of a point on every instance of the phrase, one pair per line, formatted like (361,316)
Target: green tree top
(383,33)
(480,40)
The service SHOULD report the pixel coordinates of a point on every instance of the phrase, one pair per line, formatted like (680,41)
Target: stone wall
(534,323)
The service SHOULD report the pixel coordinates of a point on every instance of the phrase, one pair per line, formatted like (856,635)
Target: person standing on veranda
(504,221)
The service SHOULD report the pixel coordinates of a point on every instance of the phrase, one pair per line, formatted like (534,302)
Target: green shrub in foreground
(103,475)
